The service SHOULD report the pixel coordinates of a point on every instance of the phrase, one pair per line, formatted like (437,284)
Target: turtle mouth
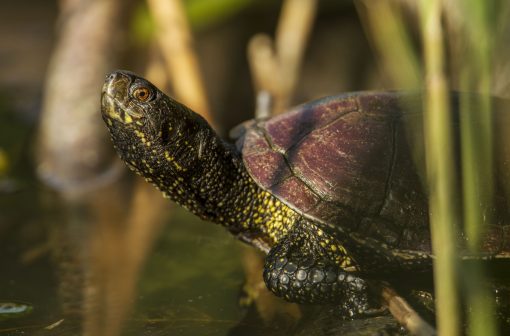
(115,98)
(111,108)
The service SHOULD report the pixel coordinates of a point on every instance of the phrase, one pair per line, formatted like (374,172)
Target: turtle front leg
(298,270)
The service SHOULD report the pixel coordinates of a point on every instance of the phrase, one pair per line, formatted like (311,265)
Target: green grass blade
(440,171)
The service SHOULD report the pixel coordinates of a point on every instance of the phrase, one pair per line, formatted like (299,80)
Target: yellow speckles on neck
(178,166)
(168,157)
(275,217)
(141,135)
(148,168)
(132,166)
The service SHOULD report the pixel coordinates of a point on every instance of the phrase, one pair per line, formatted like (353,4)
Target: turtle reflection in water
(329,190)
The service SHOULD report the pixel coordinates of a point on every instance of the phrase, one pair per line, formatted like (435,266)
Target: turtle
(330,190)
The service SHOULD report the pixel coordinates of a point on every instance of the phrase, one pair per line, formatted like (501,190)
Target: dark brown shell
(344,160)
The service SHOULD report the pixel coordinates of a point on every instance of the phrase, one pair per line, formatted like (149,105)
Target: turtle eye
(142,94)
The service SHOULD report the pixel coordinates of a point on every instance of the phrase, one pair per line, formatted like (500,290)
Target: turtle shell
(345,161)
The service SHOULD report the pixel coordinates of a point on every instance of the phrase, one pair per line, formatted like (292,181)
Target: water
(189,285)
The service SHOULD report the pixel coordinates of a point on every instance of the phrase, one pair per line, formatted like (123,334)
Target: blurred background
(86,248)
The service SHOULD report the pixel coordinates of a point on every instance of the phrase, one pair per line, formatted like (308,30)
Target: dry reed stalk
(275,65)
(175,40)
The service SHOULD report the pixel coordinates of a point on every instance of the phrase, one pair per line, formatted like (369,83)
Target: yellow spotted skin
(177,151)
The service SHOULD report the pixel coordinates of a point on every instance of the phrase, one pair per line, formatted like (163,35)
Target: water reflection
(99,242)
(100,245)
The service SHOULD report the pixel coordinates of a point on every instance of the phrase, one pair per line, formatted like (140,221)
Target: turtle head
(151,132)
(128,99)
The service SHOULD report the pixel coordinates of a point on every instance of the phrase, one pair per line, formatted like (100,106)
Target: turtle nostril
(110,77)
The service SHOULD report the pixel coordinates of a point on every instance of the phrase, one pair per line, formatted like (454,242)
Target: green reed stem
(440,171)
(476,123)
(477,158)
